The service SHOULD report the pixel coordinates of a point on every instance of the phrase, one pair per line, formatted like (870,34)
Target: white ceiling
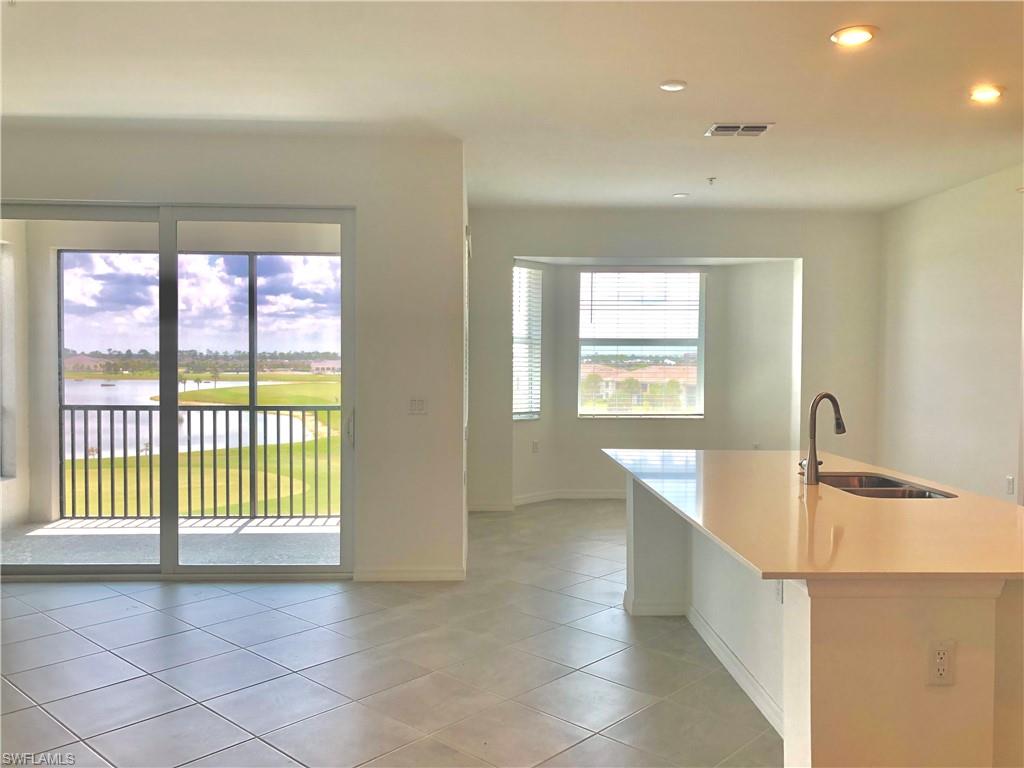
(557,103)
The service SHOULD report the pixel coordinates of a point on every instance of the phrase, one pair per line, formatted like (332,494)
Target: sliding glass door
(259,394)
(187,410)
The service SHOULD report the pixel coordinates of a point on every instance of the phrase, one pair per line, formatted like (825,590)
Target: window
(641,344)
(526,354)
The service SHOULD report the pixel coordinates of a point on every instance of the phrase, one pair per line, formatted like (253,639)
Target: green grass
(271,472)
(204,480)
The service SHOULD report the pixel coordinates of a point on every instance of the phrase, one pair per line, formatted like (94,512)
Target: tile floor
(531,661)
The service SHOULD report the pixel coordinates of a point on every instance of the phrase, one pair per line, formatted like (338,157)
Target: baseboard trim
(652,608)
(762,700)
(568,495)
(490,508)
(411,574)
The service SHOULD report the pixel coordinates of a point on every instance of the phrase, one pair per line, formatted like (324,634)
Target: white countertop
(754,504)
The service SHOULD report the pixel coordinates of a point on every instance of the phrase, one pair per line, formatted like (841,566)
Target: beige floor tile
(512,735)
(108,609)
(168,740)
(249,754)
(587,701)
(169,595)
(258,628)
(556,607)
(385,626)
(601,752)
(33,730)
(67,678)
(763,752)
(40,651)
(571,647)
(364,673)
(685,643)
(174,650)
(116,706)
(720,695)
(431,702)
(647,671)
(222,674)
(385,594)
(276,703)
(342,738)
(589,566)
(619,625)
(135,629)
(289,593)
(216,609)
(550,578)
(50,596)
(309,648)
(597,591)
(78,754)
(619,577)
(12,607)
(426,753)
(332,608)
(685,737)
(507,672)
(27,627)
(507,625)
(12,699)
(441,647)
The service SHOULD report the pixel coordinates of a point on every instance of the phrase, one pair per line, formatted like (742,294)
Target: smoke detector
(738,129)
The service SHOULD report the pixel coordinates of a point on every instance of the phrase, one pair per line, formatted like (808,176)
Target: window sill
(613,417)
(525,416)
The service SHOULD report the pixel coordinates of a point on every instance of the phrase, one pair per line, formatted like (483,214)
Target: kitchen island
(830,608)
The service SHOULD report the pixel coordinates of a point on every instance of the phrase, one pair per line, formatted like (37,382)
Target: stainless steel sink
(880,486)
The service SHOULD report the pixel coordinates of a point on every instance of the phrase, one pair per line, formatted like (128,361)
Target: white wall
(14,488)
(839,255)
(407,193)
(950,383)
(747,385)
(43,239)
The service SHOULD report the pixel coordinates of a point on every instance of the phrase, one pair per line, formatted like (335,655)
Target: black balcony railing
(110,469)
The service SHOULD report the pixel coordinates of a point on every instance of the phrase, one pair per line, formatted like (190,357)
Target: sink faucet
(811,463)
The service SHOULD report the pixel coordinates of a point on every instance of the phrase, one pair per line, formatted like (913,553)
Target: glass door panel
(259,396)
(95,427)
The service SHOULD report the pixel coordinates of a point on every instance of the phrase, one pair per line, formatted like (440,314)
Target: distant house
(325,366)
(84,363)
(609,379)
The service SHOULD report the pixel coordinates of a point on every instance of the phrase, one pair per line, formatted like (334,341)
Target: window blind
(640,344)
(526,341)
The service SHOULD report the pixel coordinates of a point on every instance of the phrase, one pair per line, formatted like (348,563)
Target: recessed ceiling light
(851,37)
(673,86)
(681,194)
(986,93)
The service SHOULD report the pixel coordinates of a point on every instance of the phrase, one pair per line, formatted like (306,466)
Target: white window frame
(531,413)
(699,342)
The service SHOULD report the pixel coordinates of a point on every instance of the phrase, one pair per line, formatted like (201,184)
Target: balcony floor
(203,541)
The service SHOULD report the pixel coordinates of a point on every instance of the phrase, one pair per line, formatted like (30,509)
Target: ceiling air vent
(738,129)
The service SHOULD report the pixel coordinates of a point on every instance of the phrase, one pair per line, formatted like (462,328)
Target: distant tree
(626,390)
(591,386)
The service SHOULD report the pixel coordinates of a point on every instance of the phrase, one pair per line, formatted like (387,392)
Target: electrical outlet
(417,406)
(535,446)
(942,662)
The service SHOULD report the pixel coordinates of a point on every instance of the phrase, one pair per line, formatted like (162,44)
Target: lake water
(125,436)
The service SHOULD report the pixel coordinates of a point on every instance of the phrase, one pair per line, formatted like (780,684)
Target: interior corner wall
(950,385)
(15,479)
(836,253)
(407,193)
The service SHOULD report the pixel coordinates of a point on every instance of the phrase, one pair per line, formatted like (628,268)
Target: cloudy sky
(110,301)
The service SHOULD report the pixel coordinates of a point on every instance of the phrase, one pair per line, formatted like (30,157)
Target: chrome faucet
(811,463)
